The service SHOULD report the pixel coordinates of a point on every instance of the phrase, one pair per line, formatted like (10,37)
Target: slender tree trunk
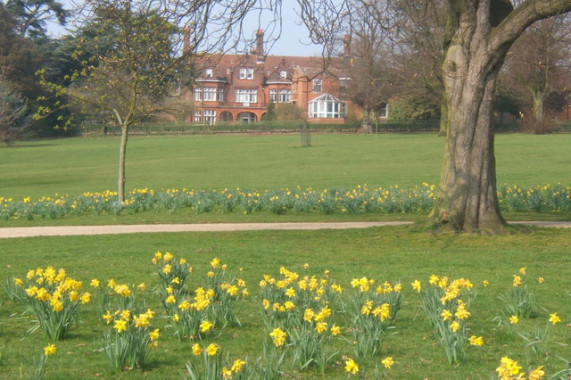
(121,178)
(538,112)
(366,120)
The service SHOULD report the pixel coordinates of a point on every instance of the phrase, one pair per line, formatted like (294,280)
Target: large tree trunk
(479,34)
(468,197)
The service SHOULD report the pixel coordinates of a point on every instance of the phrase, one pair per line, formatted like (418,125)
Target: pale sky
(293,41)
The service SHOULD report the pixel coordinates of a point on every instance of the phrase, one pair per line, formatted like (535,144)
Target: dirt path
(20,232)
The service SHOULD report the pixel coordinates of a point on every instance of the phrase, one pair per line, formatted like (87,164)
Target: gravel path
(13,232)
(20,232)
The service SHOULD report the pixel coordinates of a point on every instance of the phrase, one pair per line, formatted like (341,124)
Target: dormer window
(317,83)
(209,73)
(283,74)
(246,73)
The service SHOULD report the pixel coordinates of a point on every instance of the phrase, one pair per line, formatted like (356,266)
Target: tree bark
(122,178)
(538,112)
(480,34)
(366,120)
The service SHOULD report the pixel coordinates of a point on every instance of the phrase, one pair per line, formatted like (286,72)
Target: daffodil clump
(547,198)
(189,313)
(212,366)
(510,369)
(53,298)
(286,298)
(130,338)
(228,290)
(194,314)
(519,301)
(372,309)
(302,306)
(443,303)
(172,271)
(40,364)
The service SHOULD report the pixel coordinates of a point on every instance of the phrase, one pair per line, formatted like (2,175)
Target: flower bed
(361,199)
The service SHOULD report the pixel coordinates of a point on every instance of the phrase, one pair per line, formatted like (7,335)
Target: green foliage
(414,107)
(271,112)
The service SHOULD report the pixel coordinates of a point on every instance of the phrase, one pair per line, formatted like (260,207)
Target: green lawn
(78,165)
(393,254)
(396,254)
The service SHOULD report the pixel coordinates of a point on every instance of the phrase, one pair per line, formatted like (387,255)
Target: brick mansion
(239,88)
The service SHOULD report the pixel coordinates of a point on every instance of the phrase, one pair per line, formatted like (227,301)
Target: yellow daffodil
(517,281)
(155,334)
(508,368)
(476,340)
(120,325)
(196,349)
(554,319)
(351,366)
(514,319)
(212,349)
(388,362)
(85,298)
(536,374)
(238,365)
(50,349)
(205,326)
(335,330)
(417,286)
(279,337)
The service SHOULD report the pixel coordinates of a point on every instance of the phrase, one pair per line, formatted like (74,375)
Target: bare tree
(371,52)
(478,36)
(537,66)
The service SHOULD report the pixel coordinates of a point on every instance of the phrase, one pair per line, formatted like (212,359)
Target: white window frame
(209,117)
(246,96)
(197,94)
(209,94)
(284,96)
(384,110)
(246,73)
(220,95)
(283,74)
(327,107)
(273,95)
(209,73)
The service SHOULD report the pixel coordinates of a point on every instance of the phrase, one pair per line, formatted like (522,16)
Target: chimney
(186,40)
(260,46)
(347,49)
(347,45)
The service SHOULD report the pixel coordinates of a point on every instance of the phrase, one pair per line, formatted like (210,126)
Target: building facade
(239,88)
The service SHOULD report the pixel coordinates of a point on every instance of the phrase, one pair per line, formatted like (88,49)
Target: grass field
(393,254)
(396,254)
(74,166)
